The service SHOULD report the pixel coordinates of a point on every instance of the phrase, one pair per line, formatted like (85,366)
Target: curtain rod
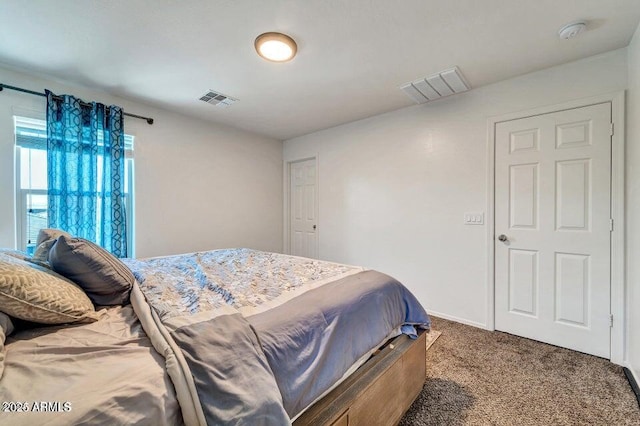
(31,92)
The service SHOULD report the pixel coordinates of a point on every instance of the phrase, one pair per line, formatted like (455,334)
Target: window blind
(32,134)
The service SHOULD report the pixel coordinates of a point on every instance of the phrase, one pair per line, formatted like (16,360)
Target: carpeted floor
(477,377)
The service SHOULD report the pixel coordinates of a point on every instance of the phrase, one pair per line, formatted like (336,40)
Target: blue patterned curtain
(85,161)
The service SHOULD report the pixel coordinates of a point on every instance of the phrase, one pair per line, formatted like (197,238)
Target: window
(31,183)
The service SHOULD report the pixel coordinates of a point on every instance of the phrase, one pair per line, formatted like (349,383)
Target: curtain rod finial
(150,120)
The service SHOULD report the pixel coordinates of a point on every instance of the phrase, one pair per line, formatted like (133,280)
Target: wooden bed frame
(379,392)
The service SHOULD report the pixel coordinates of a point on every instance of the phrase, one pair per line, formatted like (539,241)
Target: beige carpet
(477,377)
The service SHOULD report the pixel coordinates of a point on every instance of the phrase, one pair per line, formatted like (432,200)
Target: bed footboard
(379,392)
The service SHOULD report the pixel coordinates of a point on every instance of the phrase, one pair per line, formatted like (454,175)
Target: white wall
(393,188)
(197,185)
(633,205)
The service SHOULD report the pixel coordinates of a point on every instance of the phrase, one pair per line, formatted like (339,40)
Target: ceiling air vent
(445,83)
(217,99)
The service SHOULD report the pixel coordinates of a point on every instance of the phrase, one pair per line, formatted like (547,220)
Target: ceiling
(352,54)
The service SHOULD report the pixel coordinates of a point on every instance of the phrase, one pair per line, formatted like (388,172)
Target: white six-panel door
(552,222)
(302,201)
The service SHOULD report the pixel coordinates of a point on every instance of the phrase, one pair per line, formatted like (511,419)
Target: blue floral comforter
(251,337)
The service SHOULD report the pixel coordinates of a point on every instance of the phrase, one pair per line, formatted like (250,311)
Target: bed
(234,336)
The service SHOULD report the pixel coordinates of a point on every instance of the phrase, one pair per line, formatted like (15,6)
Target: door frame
(618,297)
(286,228)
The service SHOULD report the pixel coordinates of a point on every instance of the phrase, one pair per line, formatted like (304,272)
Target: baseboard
(456,319)
(633,381)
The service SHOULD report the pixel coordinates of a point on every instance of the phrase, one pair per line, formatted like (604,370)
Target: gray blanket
(103,373)
(253,338)
(313,340)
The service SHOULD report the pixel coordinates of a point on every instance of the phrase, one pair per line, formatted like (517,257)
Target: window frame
(22,194)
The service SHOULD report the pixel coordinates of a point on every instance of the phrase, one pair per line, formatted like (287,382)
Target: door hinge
(610,321)
(611,130)
(610,225)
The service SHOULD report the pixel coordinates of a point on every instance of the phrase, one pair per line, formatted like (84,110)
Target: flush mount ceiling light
(276,47)
(571,30)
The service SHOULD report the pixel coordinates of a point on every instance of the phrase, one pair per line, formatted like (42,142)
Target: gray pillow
(46,238)
(105,279)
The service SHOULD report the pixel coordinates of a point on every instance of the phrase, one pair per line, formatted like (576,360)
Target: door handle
(314,227)
(503,238)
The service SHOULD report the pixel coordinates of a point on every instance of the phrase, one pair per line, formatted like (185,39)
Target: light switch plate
(474,218)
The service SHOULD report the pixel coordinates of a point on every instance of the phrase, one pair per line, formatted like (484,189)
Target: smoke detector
(571,30)
(217,99)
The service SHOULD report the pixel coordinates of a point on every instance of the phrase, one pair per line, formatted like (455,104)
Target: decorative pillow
(6,328)
(105,279)
(34,293)
(46,238)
